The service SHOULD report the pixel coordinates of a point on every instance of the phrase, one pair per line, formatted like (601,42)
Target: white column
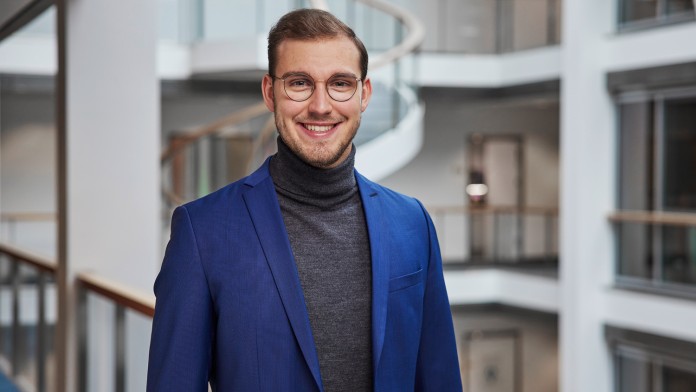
(587,195)
(111,136)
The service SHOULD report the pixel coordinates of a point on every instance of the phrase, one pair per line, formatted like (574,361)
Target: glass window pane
(633,10)
(635,250)
(634,374)
(676,380)
(679,254)
(680,7)
(636,156)
(680,154)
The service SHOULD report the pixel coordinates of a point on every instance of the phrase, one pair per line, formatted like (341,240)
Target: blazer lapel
(374,215)
(264,210)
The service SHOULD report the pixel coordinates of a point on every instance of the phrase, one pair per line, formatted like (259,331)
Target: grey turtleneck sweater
(325,222)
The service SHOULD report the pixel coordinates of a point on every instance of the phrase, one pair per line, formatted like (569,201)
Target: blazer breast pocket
(405,281)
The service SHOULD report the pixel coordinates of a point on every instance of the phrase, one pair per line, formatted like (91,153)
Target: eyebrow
(338,74)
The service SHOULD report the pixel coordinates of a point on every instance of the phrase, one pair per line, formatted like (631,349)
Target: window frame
(662,18)
(655,283)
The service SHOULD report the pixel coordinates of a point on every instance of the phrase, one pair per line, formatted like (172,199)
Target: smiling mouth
(319,128)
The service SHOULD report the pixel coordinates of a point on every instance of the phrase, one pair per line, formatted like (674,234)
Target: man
(305,276)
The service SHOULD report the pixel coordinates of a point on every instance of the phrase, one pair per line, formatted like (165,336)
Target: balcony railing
(496,235)
(656,251)
(27,323)
(114,323)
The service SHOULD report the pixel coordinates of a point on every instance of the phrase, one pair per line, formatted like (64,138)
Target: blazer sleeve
(437,367)
(182,328)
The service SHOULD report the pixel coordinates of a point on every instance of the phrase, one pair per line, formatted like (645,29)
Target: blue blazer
(230,308)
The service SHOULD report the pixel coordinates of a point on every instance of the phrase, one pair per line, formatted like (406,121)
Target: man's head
(317,85)
(307,25)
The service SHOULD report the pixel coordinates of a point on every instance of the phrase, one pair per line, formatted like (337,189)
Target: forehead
(319,57)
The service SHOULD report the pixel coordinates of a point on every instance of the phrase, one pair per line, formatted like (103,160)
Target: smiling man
(305,276)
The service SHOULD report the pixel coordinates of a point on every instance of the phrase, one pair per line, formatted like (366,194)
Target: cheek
(289,110)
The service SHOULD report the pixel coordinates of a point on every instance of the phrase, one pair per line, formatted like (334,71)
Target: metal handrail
(41,263)
(122,295)
(235,118)
(28,216)
(654,217)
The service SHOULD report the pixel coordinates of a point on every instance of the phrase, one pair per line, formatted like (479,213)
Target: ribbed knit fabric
(324,218)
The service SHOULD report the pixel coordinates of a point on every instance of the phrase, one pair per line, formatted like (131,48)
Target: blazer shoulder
(228,196)
(393,200)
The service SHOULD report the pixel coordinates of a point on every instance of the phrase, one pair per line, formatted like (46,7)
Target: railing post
(520,234)
(548,245)
(41,333)
(82,338)
(15,279)
(496,253)
(120,348)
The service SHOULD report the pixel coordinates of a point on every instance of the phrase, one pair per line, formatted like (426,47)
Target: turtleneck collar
(325,188)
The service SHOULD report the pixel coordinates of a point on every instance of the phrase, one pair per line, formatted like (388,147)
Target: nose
(320,102)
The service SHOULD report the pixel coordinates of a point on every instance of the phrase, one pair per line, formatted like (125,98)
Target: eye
(341,84)
(298,82)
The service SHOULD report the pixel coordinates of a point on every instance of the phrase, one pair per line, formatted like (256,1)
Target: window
(657,157)
(649,13)
(650,363)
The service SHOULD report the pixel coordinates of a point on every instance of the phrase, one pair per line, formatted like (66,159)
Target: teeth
(318,128)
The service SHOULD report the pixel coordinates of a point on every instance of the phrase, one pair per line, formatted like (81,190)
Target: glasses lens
(341,88)
(298,87)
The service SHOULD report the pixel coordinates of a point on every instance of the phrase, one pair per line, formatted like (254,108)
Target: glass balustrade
(497,235)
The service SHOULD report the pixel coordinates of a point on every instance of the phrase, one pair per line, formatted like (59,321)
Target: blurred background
(552,141)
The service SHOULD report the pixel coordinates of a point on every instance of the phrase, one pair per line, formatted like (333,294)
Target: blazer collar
(264,209)
(374,214)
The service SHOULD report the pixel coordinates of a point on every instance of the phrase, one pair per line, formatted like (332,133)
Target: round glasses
(299,87)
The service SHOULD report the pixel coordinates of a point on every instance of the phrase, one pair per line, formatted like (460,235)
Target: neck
(297,179)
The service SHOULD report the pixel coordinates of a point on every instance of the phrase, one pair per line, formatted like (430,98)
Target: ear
(267,91)
(366,94)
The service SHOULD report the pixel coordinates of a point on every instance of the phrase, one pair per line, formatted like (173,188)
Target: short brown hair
(309,24)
